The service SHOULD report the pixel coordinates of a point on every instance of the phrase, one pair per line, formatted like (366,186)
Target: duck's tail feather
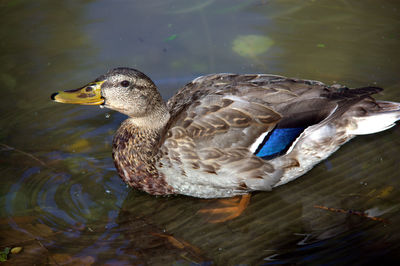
(378,120)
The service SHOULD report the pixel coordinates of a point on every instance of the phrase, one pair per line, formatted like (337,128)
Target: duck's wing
(216,111)
(228,110)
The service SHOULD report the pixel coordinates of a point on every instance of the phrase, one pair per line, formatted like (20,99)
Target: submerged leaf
(251,45)
(170,38)
(385,192)
(16,250)
(79,146)
(4,254)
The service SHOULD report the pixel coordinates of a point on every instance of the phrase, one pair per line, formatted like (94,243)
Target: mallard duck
(224,134)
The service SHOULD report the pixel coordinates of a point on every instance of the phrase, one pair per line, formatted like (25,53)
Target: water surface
(60,196)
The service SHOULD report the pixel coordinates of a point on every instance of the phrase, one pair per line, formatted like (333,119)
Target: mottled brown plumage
(226,134)
(138,168)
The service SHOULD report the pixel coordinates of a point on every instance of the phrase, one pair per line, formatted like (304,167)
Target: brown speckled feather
(138,168)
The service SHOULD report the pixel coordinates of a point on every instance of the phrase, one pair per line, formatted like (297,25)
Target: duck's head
(125,90)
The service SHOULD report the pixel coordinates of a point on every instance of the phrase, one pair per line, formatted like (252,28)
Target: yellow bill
(88,95)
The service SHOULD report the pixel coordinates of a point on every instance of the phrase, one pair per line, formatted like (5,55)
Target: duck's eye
(125,83)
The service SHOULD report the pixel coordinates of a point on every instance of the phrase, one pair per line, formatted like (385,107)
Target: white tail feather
(379,121)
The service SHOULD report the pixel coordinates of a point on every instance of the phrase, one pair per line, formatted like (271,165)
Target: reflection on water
(61,198)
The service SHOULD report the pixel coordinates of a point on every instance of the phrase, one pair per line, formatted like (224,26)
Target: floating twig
(25,153)
(358,213)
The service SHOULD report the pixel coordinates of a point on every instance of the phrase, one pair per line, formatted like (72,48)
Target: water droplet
(108,191)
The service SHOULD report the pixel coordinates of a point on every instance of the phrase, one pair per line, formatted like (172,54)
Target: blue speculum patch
(277,142)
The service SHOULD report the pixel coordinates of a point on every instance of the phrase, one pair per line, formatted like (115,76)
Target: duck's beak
(89,94)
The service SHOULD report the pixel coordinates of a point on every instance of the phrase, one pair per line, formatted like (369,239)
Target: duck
(225,135)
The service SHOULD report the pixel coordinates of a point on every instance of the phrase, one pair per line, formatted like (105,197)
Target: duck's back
(229,134)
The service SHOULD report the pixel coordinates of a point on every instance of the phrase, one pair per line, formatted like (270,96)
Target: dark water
(61,199)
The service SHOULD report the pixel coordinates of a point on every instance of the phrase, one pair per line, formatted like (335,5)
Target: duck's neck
(135,153)
(154,121)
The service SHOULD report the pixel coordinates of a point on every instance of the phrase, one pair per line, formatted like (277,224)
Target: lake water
(61,198)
